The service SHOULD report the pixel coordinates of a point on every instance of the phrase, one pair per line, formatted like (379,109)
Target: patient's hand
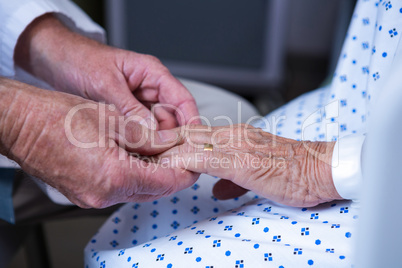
(283,170)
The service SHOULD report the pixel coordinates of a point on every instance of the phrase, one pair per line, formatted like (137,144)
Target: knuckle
(152,59)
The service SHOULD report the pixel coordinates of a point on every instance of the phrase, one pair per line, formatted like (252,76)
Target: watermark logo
(240,141)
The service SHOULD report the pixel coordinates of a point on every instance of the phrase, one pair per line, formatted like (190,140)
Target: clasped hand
(286,171)
(33,121)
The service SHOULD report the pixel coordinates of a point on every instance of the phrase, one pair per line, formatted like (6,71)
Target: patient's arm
(283,170)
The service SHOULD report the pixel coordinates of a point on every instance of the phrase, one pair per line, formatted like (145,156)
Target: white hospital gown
(193,229)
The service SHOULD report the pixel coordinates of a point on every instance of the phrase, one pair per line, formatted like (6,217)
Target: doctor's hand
(294,173)
(83,148)
(76,64)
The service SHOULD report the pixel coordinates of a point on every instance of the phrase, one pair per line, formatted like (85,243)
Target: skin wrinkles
(8,132)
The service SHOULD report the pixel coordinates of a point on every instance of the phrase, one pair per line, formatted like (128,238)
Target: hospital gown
(193,229)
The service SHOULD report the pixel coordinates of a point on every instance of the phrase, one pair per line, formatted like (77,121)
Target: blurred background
(268,51)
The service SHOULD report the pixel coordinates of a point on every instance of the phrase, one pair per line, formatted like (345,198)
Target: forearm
(14,106)
(26,114)
(47,48)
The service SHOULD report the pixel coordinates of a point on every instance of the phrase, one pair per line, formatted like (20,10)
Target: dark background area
(310,49)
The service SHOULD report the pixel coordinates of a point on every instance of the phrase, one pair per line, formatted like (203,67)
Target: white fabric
(347,166)
(379,230)
(16,15)
(213,102)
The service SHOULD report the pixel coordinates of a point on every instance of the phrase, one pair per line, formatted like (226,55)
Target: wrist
(27,115)
(318,170)
(12,116)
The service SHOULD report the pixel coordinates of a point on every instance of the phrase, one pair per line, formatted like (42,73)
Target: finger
(195,134)
(187,113)
(222,138)
(173,92)
(181,148)
(237,138)
(146,95)
(186,145)
(133,108)
(155,179)
(165,119)
(164,112)
(122,97)
(147,72)
(213,135)
(225,189)
(136,138)
(169,90)
(213,163)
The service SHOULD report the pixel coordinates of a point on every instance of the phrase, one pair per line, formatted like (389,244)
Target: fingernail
(167,136)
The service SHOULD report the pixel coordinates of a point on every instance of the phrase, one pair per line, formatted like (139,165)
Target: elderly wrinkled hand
(83,148)
(295,173)
(133,82)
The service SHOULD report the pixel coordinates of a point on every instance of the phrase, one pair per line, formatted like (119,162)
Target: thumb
(131,107)
(128,105)
(225,189)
